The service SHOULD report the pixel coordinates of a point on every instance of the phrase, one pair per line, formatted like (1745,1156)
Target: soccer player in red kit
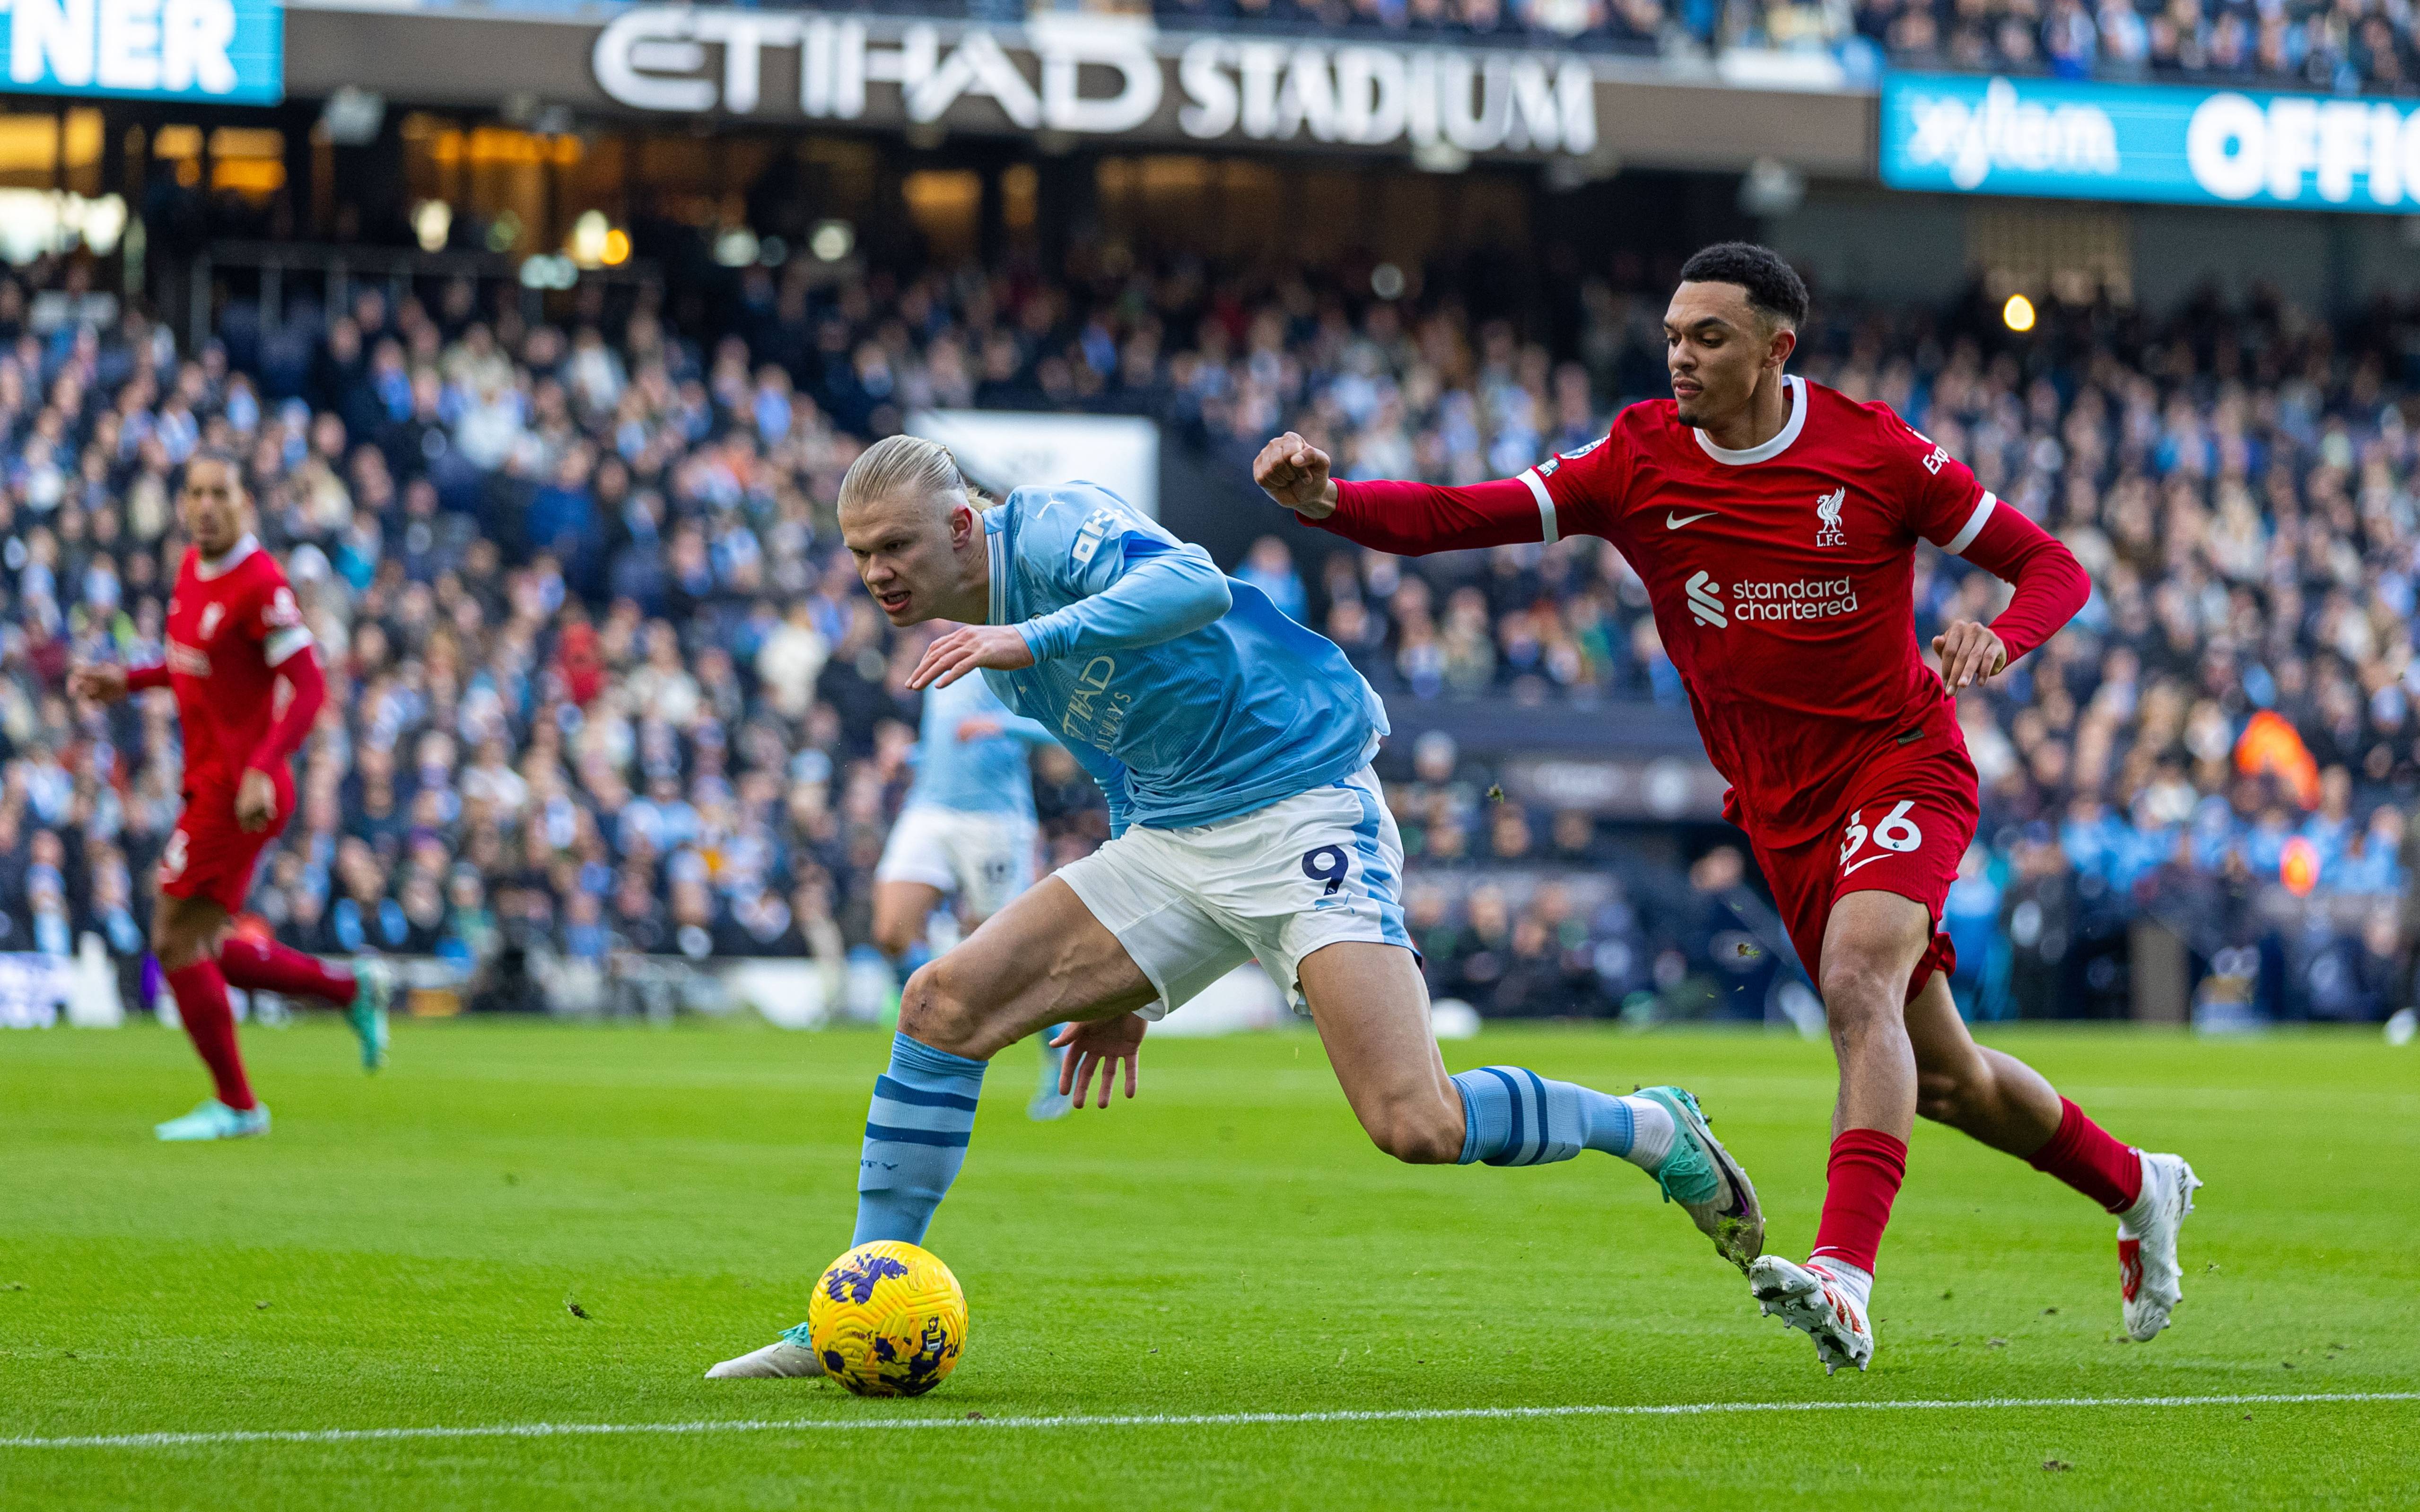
(234,634)
(1775,522)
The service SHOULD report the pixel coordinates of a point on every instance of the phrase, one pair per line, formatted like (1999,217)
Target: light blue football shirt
(1186,694)
(985,775)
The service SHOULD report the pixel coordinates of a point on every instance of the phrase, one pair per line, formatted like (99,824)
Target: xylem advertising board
(2052,139)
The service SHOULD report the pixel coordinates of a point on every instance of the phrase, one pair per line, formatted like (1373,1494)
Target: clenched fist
(1295,474)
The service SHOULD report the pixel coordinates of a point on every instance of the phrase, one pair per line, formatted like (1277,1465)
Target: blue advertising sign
(1968,133)
(224,52)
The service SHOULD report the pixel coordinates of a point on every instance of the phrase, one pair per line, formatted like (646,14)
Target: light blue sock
(1512,1116)
(916,1133)
(1049,1087)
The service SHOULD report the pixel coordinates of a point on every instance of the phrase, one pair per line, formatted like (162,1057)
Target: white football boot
(1822,1304)
(786,1358)
(2148,1276)
(214,1120)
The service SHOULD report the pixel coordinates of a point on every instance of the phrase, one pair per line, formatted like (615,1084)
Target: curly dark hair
(1773,288)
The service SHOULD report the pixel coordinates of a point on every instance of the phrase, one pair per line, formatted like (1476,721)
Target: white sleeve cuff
(1545,505)
(283,644)
(1957,544)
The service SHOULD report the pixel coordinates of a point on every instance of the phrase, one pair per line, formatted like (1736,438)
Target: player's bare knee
(944,1008)
(894,938)
(1860,990)
(933,1012)
(1417,1136)
(175,945)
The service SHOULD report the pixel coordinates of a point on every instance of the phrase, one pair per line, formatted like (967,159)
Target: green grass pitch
(400,1254)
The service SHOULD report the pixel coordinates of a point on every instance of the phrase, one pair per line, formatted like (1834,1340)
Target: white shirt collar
(1794,389)
(209,567)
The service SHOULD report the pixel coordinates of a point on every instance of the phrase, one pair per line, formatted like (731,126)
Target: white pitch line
(1411,1414)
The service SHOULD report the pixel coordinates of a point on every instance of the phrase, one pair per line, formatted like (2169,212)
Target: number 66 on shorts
(1907,839)
(1893,833)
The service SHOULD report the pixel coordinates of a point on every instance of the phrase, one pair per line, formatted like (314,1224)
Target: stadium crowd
(605,683)
(2344,47)
(2339,46)
(1607,25)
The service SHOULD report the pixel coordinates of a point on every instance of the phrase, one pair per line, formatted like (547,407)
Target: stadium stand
(2347,48)
(607,686)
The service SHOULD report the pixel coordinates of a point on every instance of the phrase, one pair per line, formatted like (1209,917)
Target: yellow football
(888,1319)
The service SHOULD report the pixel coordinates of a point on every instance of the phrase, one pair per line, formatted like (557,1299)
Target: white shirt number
(1894,832)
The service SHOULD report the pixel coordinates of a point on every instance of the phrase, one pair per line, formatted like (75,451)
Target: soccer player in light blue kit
(1234,746)
(967,829)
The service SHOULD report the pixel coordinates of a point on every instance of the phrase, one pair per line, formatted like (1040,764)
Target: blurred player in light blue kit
(1234,747)
(966,829)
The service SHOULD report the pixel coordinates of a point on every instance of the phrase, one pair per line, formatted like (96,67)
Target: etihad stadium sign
(1095,76)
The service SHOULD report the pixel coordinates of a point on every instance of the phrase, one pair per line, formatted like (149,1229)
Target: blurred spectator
(1269,567)
(606,682)
(2284,45)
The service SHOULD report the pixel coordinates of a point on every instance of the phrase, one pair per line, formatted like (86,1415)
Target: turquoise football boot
(214,1120)
(373,984)
(1701,1176)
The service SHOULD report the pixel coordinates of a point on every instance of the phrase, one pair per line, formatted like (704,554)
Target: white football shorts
(1190,905)
(986,858)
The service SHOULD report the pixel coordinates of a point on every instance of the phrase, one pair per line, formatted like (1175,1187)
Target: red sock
(1866,1170)
(202,1003)
(2084,1156)
(265,965)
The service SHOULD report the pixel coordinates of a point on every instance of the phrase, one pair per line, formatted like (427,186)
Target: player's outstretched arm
(106,683)
(2051,585)
(1406,518)
(1016,727)
(1157,592)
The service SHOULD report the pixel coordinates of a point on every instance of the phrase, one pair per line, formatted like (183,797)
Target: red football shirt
(230,625)
(1781,578)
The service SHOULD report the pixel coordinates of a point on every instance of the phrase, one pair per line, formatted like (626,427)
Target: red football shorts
(1905,831)
(210,855)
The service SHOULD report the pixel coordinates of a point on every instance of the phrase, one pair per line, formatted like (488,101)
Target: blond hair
(908,467)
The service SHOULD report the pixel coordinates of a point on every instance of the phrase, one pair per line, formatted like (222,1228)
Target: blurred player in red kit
(1775,522)
(234,634)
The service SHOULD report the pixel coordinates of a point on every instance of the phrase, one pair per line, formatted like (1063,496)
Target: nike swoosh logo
(1738,1184)
(1731,1174)
(1868,861)
(1673,522)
